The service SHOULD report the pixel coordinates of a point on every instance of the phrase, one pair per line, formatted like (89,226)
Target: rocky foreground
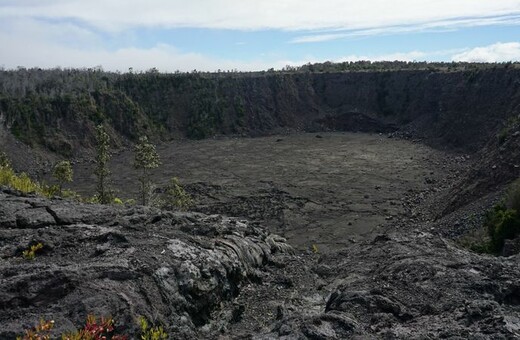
(209,276)
(411,287)
(173,268)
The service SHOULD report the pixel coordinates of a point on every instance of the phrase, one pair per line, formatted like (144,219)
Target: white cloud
(499,52)
(31,43)
(443,25)
(163,57)
(117,15)
(41,33)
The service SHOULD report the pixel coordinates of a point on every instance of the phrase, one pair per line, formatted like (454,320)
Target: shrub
(70,194)
(176,197)
(93,200)
(151,332)
(23,183)
(51,190)
(502,136)
(502,224)
(30,253)
(40,332)
(4,160)
(20,182)
(94,329)
(62,173)
(503,221)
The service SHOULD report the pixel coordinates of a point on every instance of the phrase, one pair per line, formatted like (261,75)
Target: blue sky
(252,35)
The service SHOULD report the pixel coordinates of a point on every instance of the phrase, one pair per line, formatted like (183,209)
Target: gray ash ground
(325,191)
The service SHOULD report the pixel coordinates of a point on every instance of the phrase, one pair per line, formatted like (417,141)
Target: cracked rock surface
(173,268)
(417,286)
(208,276)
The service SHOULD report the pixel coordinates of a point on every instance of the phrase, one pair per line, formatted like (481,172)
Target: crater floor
(327,190)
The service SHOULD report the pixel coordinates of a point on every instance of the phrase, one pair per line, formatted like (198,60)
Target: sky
(250,35)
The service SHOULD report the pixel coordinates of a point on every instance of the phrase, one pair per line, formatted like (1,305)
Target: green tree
(62,173)
(176,197)
(101,171)
(4,160)
(146,159)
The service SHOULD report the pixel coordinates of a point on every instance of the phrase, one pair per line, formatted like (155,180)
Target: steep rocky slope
(58,109)
(495,165)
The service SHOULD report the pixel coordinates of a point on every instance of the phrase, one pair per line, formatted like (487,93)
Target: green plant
(94,329)
(4,160)
(50,190)
(20,182)
(146,158)
(93,200)
(502,135)
(502,223)
(149,332)
(117,200)
(102,171)
(30,253)
(62,173)
(176,197)
(70,194)
(40,332)
(25,184)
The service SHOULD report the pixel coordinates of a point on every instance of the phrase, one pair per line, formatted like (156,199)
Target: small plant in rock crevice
(30,254)
(149,332)
(42,331)
(94,329)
